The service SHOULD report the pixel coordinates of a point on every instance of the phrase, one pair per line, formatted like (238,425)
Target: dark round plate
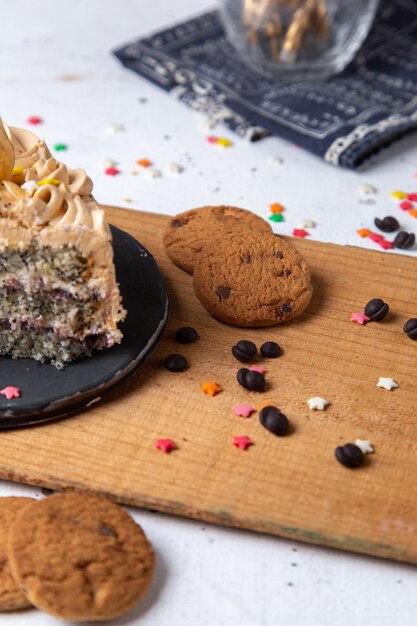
(48,393)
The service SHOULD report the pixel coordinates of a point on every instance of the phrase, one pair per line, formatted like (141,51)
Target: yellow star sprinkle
(399,195)
(17,170)
(50,181)
(223,141)
(211,388)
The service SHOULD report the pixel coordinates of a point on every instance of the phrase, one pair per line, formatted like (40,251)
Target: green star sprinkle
(276,217)
(59,147)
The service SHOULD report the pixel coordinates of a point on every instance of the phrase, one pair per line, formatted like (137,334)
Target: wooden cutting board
(290,486)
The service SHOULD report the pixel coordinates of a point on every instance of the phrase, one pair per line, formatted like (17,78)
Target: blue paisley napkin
(343,120)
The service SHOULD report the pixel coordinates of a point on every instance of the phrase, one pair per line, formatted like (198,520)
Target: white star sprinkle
(175,168)
(30,186)
(114,127)
(364,445)
(207,124)
(306,224)
(109,163)
(151,172)
(275,160)
(387,383)
(367,190)
(317,404)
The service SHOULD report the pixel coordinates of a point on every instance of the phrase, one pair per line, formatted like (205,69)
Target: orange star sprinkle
(144,163)
(262,406)
(210,387)
(276,208)
(363,232)
(413,212)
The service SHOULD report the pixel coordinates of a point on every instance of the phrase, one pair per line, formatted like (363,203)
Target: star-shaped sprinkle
(300,232)
(276,207)
(210,387)
(111,171)
(152,172)
(242,441)
(307,224)
(398,195)
(175,168)
(114,127)
(406,205)
(317,404)
(243,410)
(109,163)
(60,147)
(144,163)
(364,445)
(276,217)
(257,368)
(367,190)
(387,383)
(10,392)
(412,196)
(30,186)
(224,142)
(34,120)
(166,445)
(359,317)
(363,232)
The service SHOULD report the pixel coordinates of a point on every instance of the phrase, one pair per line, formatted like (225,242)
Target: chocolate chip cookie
(11,596)
(80,557)
(252,280)
(186,233)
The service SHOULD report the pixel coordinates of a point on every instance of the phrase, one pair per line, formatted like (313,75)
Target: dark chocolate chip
(349,455)
(241,377)
(244,351)
(178,223)
(376,309)
(388,224)
(246,258)
(175,363)
(410,327)
(278,254)
(284,309)
(270,350)
(106,531)
(255,381)
(186,334)
(404,240)
(223,293)
(273,420)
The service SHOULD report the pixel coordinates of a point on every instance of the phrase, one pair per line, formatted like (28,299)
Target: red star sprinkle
(242,442)
(10,392)
(111,171)
(300,232)
(406,206)
(387,245)
(375,237)
(359,317)
(34,120)
(257,368)
(412,197)
(166,445)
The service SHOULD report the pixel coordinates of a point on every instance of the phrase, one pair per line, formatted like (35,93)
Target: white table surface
(205,575)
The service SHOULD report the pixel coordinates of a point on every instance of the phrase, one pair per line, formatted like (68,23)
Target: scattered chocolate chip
(376,309)
(106,531)
(175,363)
(270,350)
(284,309)
(246,258)
(178,223)
(241,377)
(388,224)
(278,254)
(244,351)
(186,334)
(404,240)
(273,420)
(410,328)
(349,455)
(223,293)
(254,381)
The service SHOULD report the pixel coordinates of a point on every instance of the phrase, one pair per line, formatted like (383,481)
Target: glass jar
(298,39)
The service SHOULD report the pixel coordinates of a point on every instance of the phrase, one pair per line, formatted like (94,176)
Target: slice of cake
(59,299)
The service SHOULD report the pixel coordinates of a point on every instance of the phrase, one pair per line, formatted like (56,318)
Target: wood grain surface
(290,486)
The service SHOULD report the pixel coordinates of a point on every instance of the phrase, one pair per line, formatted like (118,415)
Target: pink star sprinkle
(359,317)
(257,368)
(386,245)
(243,410)
(10,392)
(300,232)
(375,237)
(212,139)
(406,206)
(34,120)
(111,171)
(242,442)
(166,445)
